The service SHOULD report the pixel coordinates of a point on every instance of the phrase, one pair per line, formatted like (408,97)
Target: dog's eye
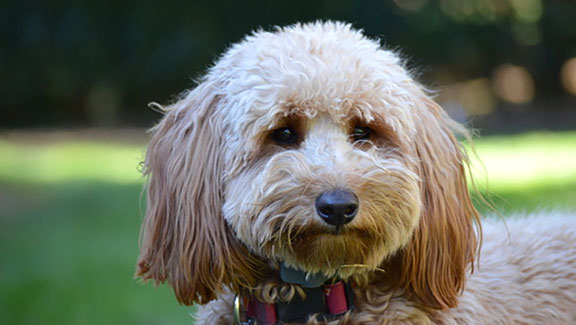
(361,133)
(285,136)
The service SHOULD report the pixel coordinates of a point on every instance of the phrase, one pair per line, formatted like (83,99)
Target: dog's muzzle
(337,207)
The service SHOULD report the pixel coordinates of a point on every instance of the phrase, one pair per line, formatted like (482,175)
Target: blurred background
(76,78)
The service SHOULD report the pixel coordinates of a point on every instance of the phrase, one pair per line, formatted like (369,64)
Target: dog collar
(328,301)
(304,279)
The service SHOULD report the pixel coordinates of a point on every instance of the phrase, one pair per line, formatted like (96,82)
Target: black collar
(328,301)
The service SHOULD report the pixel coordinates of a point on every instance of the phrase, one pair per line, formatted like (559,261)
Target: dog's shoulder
(541,229)
(526,270)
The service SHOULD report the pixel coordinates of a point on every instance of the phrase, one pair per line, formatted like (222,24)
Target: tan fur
(227,204)
(189,245)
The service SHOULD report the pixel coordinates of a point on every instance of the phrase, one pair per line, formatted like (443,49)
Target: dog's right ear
(185,239)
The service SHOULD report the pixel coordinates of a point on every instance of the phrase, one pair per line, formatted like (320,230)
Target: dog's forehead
(323,67)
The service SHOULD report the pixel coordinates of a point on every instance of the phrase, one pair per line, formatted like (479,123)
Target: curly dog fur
(237,165)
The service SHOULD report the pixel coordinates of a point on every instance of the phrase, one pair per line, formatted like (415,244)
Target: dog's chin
(341,252)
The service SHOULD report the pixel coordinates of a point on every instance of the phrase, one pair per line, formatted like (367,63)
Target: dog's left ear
(444,245)
(185,239)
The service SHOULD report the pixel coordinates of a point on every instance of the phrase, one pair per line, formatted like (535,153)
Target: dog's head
(313,147)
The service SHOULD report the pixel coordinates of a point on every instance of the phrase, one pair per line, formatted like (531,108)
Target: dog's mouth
(319,249)
(312,233)
(337,230)
(306,232)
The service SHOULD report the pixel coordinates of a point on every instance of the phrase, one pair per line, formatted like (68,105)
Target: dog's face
(325,137)
(313,147)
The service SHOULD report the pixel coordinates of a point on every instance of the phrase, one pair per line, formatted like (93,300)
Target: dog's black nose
(337,207)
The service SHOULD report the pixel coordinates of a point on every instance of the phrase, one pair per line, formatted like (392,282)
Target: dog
(308,178)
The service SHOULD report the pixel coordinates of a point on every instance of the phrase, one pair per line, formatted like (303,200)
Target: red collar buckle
(335,298)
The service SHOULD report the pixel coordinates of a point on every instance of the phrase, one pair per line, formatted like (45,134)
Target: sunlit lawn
(70,217)
(529,172)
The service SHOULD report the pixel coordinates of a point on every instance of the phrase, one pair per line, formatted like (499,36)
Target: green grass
(70,217)
(64,161)
(69,224)
(535,171)
(67,256)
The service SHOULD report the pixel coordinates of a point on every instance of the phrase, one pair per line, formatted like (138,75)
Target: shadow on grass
(68,255)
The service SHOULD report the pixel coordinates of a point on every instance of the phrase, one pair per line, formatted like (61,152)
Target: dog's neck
(329,301)
(304,279)
(294,296)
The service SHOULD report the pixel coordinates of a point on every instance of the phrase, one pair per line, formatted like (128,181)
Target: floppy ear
(185,240)
(435,262)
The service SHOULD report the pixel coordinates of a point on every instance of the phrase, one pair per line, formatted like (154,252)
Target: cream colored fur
(227,202)
(526,276)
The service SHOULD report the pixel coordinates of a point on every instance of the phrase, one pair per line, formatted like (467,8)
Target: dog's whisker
(372,268)
(290,236)
(306,186)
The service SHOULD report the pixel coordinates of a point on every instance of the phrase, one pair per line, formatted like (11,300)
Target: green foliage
(70,214)
(101,62)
